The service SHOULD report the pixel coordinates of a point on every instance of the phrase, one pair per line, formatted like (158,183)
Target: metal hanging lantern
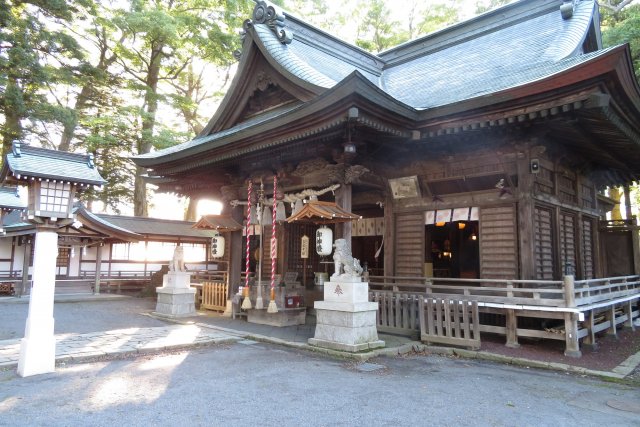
(324,240)
(217,246)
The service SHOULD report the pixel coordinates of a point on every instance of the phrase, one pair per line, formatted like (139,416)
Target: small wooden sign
(304,247)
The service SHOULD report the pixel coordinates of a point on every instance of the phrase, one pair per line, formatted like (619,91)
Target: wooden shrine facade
(480,151)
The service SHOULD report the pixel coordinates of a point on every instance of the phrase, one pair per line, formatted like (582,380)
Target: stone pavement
(105,340)
(122,342)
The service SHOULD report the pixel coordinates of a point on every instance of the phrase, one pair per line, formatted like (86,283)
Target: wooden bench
(7,288)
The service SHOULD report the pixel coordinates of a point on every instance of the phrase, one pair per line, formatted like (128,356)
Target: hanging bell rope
(273,308)
(246,303)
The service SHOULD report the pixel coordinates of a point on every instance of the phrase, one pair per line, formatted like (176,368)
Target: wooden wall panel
(586,253)
(498,243)
(568,248)
(543,243)
(409,244)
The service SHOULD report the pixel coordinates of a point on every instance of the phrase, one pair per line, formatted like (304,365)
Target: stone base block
(176,302)
(346,292)
(176,279)
(351,348)
(346,330)
(284,317)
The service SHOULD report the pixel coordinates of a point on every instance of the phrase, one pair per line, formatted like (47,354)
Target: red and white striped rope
(273,234)
(246,283)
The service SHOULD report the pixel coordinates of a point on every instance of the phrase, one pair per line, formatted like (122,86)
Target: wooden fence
(447,321)
(397,311)
(581,308)
(214,296)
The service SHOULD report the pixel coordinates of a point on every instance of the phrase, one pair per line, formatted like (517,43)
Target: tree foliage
(36,54)
(623,26)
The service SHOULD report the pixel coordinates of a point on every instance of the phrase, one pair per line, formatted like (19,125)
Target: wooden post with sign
(304,254)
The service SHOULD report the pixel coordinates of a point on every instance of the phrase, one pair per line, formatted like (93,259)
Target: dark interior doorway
(452,250)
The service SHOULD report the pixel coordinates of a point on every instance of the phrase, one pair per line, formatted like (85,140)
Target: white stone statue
(177,262)
(346,266)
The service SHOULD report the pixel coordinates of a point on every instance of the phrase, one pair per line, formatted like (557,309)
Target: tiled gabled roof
(10,199)
(25,161)
(472,58)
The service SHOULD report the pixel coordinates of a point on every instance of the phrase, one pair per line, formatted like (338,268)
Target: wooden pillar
(343,199)
(610,316)
(96,285)
(590,339)
(512,329)
(13,256)
(572,348)
(628,311)
(627,202)
(235,255)
(389,240)
(26,260)
(525,218)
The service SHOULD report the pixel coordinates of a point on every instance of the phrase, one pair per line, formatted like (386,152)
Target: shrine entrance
(452,250)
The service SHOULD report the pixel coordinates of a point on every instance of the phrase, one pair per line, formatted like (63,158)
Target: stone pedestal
(176,297)
(346,320)
(284,317)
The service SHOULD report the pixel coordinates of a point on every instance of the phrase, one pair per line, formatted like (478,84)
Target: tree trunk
(615,194)
(190,214)
(85,95)
(140,206)
(12,129)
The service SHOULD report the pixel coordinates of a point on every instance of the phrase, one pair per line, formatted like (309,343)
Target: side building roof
(25,161)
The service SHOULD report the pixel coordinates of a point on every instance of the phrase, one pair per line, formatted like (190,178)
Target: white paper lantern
(217,246)
(324,240)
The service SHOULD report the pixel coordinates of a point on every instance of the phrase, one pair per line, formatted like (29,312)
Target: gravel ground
(610,352)
(261,384)
(93,316)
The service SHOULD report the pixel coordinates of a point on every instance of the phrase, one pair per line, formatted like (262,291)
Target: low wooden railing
(397,311)
(214,296)
(574,304)
(201,276)
(446,321)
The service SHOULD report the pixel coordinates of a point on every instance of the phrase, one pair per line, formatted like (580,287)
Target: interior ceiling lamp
(349,145)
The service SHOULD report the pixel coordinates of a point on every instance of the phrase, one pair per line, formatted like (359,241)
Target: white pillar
(38,347)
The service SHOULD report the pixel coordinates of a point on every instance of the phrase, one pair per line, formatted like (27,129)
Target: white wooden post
(38,347)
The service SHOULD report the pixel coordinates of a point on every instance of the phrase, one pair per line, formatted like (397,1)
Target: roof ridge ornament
(567,8)
(266,13)
(15,148)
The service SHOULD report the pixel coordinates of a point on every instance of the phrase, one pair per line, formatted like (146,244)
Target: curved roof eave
(105,227)
(353,85)
(602,62)
(279,56)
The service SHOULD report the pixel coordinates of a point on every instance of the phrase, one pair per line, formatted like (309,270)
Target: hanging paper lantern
(217,246)
(266,216)
(253,215)
(297,206)
(281,214)
(324,240)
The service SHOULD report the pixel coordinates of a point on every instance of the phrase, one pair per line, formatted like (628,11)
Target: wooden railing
(446,321)
(397,311)
(576,305)
(201,276)
(214,296)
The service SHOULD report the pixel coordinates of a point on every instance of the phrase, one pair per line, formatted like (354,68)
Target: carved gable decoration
(266,95)
(272,16)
